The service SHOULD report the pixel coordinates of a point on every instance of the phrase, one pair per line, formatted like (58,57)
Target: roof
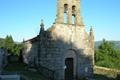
(33,40)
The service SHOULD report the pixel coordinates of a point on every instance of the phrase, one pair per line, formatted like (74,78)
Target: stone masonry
(63,42)
(3,58)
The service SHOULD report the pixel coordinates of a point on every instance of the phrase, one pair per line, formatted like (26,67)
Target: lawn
(27,74)
(23,70)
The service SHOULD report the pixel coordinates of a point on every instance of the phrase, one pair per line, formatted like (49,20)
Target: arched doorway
(70,64)
(69,69)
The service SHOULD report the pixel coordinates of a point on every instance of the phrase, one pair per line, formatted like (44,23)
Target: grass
(22,69)
(102,77)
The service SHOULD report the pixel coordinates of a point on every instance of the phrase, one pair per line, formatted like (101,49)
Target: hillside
(117,44)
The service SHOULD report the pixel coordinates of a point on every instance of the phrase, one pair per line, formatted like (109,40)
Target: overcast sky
(21,18)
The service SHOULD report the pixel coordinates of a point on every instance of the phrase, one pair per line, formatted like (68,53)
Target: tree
(107,47)
(9,44)
(2,43)
(107,56)
(12,47)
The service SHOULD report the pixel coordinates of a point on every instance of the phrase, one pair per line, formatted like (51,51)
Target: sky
(21,18)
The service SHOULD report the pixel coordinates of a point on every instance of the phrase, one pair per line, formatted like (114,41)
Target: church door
(69,69)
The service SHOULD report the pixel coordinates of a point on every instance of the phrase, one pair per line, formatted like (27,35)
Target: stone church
(65,48)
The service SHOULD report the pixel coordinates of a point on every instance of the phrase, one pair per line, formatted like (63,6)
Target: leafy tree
(2,43)
(9,44)
(107,56)
(12,47)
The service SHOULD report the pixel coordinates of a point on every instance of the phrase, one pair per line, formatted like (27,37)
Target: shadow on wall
(53,48)
(29,51)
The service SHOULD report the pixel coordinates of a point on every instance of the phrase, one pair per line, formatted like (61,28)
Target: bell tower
(70,8)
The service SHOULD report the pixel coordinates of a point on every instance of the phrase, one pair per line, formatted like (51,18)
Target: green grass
(102,77)
(22,69)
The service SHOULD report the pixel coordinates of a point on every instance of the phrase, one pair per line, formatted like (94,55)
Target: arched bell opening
(73,14)
(65,13)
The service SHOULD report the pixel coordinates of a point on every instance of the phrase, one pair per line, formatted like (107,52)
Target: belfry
(65,51)
(72,9)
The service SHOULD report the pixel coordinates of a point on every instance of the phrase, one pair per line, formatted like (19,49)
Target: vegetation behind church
(116,44)
(12,47)
(107,55)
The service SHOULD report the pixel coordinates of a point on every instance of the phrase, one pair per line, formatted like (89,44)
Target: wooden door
(69,69)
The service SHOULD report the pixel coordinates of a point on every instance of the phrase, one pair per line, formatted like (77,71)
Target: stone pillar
(41,28)
(60,12)
(78,18)
(69,16)
(91,44)
(91,38)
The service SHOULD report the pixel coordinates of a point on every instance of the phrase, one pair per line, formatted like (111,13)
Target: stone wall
(55,47)
(3,58)
(9,77)
(30,52)
(52,47)
(58,43)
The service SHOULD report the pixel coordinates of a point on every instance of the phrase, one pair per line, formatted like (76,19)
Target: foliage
(2,42)
(107,56)
(12,47)
(9,44)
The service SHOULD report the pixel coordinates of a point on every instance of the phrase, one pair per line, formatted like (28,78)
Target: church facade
(65,48)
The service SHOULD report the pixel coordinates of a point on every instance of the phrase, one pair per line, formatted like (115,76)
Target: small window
(73,14)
